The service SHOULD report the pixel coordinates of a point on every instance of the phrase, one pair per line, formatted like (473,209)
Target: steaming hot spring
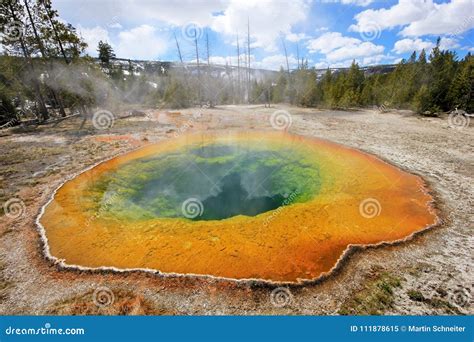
(268,206)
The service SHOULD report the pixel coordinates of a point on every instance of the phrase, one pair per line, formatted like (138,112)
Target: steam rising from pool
(227,179)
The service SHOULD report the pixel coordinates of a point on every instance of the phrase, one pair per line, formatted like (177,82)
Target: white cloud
(419,18)
(92,36)
(268,20)
(362,3)
(448,43)
(321,65)
(363,49)
(362,61)
(330,41)
(373,60)
(141,42)
(175,13)
(275,62)
(296,37)
(405,12)
(337,47)
(410,45)
(115,26)
(451,18)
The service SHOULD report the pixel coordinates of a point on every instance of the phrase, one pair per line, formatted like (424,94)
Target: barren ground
(430,274)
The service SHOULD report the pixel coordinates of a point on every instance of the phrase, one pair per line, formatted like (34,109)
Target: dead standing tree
(179,50)
(13,10)
(50,14)
(56,99)
(209,93)
(195,31)
(248,60)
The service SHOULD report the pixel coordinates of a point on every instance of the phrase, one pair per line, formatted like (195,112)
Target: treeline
(44,74)
(437,83)
(34,41)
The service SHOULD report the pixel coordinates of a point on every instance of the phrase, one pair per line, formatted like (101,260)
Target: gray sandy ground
(433,270)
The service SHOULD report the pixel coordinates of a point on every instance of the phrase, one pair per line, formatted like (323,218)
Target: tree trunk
(43,111)
(55,96)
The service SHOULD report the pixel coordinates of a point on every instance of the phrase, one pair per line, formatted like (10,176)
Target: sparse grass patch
(416,296)
(5,284)
(434,302)
(124,303)
(374,298)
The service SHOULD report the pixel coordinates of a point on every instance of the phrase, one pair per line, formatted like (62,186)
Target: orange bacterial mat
(261,205)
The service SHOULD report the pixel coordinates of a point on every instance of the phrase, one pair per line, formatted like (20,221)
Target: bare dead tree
(298,55)
(230,75)
(248,60)
(82,107)
(37,91)
(207,50)
(210,95)
(286,55)
(53,94)
(177,46)
(198,66)
(56,34)
(238,70)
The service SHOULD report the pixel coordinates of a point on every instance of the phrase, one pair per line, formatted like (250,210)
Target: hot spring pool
(269,206)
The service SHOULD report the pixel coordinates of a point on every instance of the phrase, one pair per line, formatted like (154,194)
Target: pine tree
(19,41)
(353,86)
(422,99)
(60,39)
(106,53)
(422,57)
(462,86)
(442,70)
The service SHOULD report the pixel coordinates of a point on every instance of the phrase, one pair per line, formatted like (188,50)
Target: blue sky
(326,32)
